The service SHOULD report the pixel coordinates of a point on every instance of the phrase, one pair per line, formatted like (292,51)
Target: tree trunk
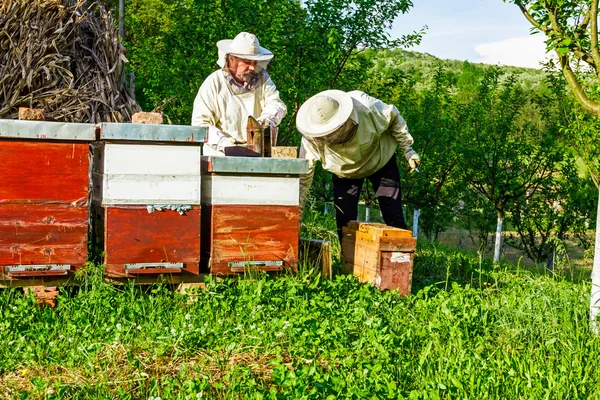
(595,297)
(122,19)
(416,214)
(498,243)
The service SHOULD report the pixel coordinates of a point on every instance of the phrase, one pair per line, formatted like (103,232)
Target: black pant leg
(386,183)
(346,193)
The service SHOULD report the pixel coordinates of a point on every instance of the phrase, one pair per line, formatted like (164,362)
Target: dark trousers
(386,183)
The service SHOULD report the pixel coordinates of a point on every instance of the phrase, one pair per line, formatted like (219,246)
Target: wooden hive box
(44,199)
(380,255)
(147,199)
(251,213)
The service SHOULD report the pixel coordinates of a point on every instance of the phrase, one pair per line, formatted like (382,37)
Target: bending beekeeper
(241,88)
(355,137)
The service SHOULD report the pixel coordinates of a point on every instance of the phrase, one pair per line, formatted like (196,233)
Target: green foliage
(562,21)
(580,129)
(559,206)
(505,154)
(172,46)
(435,188)
(477,215)
(421,69)
(470,330)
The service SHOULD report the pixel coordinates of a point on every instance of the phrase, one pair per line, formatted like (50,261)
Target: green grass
(468,331)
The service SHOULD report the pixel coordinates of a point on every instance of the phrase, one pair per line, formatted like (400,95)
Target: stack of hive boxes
(44,198)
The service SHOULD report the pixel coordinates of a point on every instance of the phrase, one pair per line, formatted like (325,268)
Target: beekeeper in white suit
(241,88)
(355,137)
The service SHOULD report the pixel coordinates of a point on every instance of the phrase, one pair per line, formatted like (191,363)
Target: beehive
(251,213)
(379,255)
(147,199)
(44,198)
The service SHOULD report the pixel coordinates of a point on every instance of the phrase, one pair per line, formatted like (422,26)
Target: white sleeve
(273,109)
(387,117)
(203,115)
(310,153)
(399,130)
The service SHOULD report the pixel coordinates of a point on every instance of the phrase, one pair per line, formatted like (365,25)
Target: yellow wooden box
(379,254)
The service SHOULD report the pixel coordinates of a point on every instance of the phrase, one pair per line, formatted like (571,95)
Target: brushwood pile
(64,57)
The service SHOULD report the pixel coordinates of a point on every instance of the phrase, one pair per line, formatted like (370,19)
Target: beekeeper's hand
(225,141)
(413,159)
(266,120)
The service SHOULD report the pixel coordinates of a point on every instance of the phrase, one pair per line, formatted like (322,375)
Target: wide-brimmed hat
(245,45)
(324,113)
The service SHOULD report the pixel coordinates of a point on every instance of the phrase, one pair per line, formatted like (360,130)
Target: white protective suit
(225,110)
(380,130)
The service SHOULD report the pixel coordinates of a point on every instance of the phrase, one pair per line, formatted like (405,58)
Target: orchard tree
(506,155)
(432,121)
(172,45)
(556,208)
(571,28)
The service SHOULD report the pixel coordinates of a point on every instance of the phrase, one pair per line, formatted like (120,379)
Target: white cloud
(524,51)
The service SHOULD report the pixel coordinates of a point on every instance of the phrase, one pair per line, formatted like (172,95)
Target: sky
(487,31)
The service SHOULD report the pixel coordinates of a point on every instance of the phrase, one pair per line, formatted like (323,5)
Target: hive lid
(149,132)
(17,129)
(254,165)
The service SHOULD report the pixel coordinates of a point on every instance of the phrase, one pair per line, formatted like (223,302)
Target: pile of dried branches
(63,58)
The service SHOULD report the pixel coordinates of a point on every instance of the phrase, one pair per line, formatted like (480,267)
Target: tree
(506,155)
(477,216)
(172,45)
(556,208)
(431,119)
(571,29)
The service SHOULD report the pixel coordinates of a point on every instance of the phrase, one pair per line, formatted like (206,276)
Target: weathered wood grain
(395,272)
(317,252)
(118,271)
(252,233)
(43,234)
(379,255)
(44,172)
(132,235)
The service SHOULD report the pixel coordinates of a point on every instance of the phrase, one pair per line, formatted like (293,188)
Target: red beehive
(251,213)
(44,198)
(147,199)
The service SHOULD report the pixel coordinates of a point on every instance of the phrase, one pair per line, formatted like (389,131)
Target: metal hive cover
(17,129)
(149,132)
(254,165)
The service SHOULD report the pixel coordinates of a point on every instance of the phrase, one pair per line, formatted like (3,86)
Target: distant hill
(421,67)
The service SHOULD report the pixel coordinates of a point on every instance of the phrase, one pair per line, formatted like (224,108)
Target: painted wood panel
(43,234)
(148,174)
(254,165)
(189,270)
(137,159)
(46,130)
(250,190)
(251,233)
(151,189)
(44,172)
(151,132)
(132,235)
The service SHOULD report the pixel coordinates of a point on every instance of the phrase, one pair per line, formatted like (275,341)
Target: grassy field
(469,330)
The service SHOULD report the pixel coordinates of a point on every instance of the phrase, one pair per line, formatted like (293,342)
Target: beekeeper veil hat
(245,45)
(324,113)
